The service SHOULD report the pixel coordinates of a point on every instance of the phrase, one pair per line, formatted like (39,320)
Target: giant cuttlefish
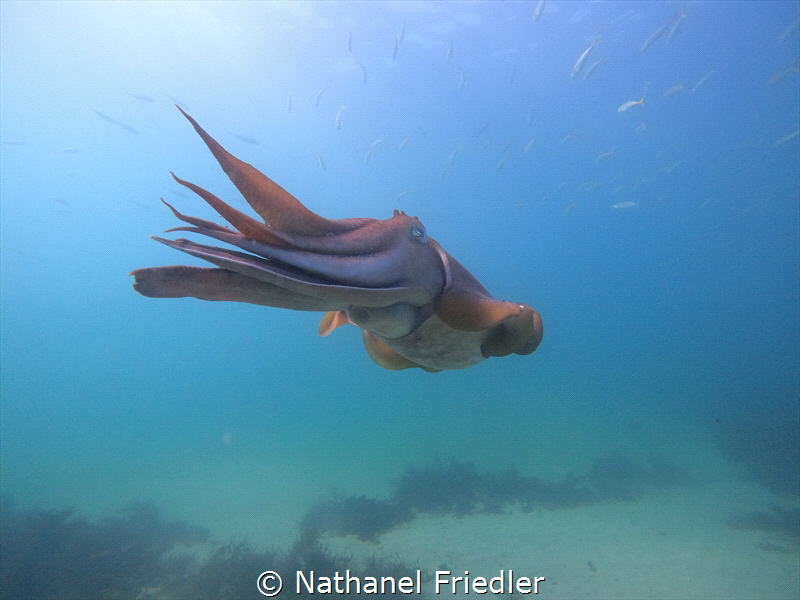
(415,304)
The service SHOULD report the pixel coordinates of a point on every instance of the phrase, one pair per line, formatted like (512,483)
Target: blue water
(667,272)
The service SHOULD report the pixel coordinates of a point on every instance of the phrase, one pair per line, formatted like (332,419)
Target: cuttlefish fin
(387,358)
(218,285)
(333,319)
(279,209)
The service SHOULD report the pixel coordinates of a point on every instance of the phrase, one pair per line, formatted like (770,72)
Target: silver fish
(339,118)
(537,12)
(629,105)
(582,59)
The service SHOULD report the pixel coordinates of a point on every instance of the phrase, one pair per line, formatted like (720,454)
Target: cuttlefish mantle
(416,305)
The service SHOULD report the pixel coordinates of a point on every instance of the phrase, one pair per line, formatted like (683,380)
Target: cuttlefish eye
(418,231)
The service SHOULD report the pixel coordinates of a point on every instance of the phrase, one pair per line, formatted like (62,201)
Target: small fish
(319,95)
(529,146)
(529,118)
(142,98)
(582,59)
(675,27)
(482,129)
(629,105)
(624,205)
(453,155)
(787,137)
(591,68)
(678,87)
(104,116)
(14,142)
(289,102)
(450,51)
(537,12)
(394,50)
(178,103)
(450,161)
(403,144)
(246,139)
(603,155)
(792,27)
(402,32)
(460,79)
(350,43)
(363,71)
(781,75)
(321,162)
(502,163)
(568,209)
(672,27)
(339,118)
(128,128)
(703,80)
(512,75)
(372,149)
(654,37)
(401,195)
(568,137)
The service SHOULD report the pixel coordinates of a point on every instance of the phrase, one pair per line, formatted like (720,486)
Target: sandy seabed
(675,545)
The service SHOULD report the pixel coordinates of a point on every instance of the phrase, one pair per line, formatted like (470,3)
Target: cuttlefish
(416,305)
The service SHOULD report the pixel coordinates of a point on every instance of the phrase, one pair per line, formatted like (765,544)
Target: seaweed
(769,445)
(133,556)
(366,518)
(58,554)
(777,520)
(458,488)
(230,571)
(782,523)
(616,477)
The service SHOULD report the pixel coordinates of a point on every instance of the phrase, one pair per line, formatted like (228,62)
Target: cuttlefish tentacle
(221,285)
(246,224)
(274,204)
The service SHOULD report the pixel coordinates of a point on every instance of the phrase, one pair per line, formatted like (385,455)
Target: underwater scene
(569,232)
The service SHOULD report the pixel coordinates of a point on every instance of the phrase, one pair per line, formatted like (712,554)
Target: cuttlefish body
(415,304)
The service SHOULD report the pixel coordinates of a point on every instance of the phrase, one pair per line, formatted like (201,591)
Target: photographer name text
(443,582)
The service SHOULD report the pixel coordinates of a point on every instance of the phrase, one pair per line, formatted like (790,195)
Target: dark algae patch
(136,555)
(459,488)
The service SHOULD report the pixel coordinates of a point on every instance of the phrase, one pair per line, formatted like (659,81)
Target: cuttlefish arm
(416,305)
